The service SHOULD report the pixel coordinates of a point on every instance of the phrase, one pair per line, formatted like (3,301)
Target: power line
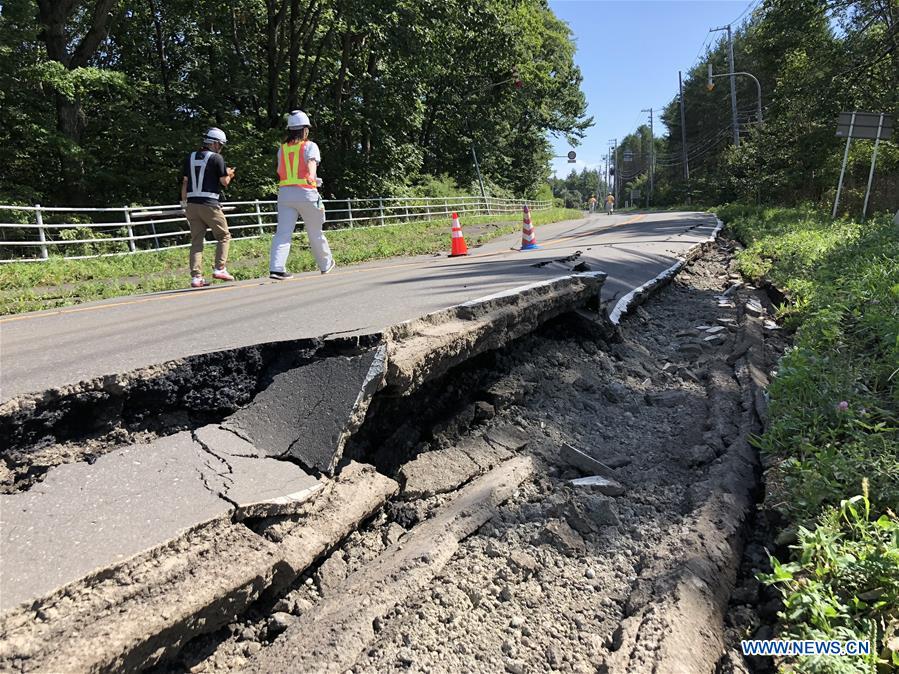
(747,8)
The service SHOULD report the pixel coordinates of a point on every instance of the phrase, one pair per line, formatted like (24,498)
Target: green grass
(58,282)
(834,418)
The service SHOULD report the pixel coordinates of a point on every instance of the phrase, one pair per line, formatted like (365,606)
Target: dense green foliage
(29,286)
(844,586)
(100,99)
(813,58)
(834,418)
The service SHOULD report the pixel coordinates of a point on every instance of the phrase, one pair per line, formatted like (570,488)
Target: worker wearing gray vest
(204,176)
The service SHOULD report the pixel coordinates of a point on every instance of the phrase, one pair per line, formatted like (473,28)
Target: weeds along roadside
(832,445)
(32,286)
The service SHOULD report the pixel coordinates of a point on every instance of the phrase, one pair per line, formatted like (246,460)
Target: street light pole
(758,88)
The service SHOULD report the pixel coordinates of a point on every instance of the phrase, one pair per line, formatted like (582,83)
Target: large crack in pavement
(562,578)
(561,575)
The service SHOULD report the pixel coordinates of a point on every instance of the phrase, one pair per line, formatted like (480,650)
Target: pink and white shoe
(222,274)
(198,282)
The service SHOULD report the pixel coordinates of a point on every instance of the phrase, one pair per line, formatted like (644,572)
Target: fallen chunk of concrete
(309,412)
(485,454)
(84,518)
(437,472)
(508,436)
(559,534)
(583,462)
(331,638)
(599,483)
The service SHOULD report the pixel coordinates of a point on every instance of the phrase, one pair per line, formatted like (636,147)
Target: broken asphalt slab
(138,613)
(84,518)
(309,412)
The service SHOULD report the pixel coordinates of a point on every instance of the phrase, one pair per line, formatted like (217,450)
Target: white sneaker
(330,267)
(222,274)
(198,282)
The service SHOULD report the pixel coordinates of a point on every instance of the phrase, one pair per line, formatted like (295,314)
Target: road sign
(628,155)
(855,124)
(864,125)
(571,157)
(635,194)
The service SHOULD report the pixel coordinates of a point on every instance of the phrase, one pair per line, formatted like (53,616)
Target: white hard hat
(215,135)
(297,119)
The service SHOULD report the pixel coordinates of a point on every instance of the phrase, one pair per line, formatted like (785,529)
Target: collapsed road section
(513,485)
(100,510)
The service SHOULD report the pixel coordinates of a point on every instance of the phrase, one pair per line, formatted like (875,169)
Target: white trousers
(313,215)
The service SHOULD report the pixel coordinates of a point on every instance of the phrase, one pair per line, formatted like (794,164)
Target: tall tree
(72,32)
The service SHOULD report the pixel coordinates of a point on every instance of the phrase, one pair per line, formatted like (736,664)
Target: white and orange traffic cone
(459,248)
(528,235)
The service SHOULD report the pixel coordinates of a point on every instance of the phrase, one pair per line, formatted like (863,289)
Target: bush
(844,585)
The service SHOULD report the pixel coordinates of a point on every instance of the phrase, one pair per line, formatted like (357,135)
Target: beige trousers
(202,217)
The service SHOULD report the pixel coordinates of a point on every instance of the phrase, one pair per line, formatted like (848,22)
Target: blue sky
(629,54)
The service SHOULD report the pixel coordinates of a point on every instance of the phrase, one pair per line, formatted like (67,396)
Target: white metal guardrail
(37,233)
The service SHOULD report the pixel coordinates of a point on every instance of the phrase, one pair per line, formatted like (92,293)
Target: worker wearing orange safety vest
(298,183)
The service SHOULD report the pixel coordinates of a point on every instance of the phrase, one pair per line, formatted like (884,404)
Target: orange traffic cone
(528,235)
(459,247)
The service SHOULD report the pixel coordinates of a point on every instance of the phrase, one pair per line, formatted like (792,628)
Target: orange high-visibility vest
(293,171)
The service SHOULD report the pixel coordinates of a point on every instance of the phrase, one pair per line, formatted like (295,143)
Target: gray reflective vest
(197,172)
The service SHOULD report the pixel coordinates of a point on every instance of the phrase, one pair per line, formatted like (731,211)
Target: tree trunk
(372,71)
(54,15)
(160,54)
(304,36)
(275,15)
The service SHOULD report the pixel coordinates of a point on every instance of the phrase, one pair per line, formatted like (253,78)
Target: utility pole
(605,158)
(652,158)
(733,81)
(683,127)
(614,142)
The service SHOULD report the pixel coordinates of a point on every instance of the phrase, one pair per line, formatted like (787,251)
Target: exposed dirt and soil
(630,575)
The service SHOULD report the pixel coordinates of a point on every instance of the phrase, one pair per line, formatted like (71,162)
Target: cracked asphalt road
(51,349)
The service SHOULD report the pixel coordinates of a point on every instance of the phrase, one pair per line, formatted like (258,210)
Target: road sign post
(868,125)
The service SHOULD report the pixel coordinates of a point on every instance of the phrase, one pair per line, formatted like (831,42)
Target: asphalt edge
(638,295)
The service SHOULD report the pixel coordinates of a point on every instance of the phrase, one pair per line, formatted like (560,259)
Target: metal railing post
(381,209)
(258,216)
(40,231)
(130,230)
(349,210)
(446,207)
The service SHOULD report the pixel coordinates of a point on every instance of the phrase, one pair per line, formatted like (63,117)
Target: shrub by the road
(834,422)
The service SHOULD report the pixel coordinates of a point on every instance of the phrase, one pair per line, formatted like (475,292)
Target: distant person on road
(610,204)
(298,181)
(204,175)
(592,203)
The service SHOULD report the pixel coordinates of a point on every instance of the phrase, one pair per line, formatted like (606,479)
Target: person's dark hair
(293,135)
